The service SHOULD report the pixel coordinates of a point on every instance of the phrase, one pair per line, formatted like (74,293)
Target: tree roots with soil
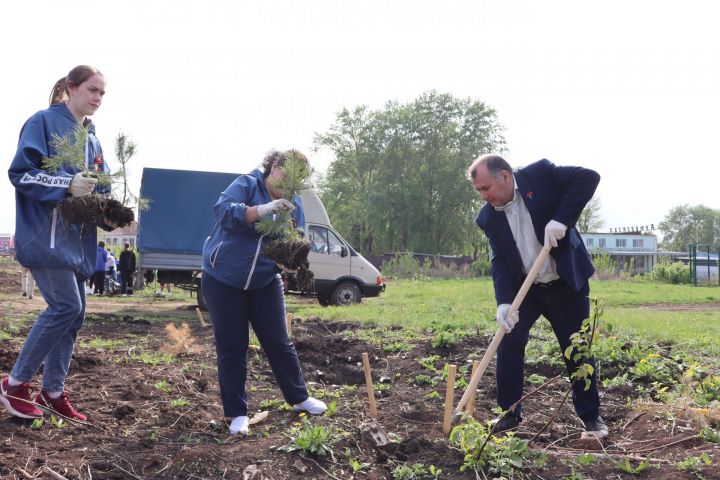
(292,254)
(89,209)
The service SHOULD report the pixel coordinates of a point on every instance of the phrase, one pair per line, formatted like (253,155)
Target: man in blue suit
(534,206)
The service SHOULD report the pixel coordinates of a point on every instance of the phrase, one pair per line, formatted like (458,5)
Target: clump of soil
(118,213)
(88,209)
(305,279)
(82,210)
(292,254)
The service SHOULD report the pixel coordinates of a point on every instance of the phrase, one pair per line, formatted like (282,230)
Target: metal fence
(703,262)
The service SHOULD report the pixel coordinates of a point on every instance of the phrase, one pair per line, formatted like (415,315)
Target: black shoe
(508,422)
(597,426)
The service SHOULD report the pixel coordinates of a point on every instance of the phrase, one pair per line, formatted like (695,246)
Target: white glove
(508,323)
(274,207)
(81,186)
(554,231)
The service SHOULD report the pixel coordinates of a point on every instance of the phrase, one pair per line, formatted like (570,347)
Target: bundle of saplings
(69,151)
(287,248)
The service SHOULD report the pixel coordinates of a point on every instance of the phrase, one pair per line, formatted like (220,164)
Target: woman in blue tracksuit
(242,287)
(60,256)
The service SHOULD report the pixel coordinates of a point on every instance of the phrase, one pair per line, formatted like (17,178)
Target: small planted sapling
(287,248)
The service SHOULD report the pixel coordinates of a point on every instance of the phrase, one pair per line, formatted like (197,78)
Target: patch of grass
(688,329)
(469,304)
(104,344)
(179,402)
(419,305)
(154,358)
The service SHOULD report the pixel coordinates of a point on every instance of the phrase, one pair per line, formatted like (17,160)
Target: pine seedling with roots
(69,151)
(297,178)
(287,248)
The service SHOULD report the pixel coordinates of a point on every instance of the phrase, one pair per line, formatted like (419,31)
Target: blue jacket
(550,193)
(42,239)
(101,259)
(231,253)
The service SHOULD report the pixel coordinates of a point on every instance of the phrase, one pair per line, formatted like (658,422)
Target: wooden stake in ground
(470,407)
(288,322)
(449,398)
(368,381)
(200,317)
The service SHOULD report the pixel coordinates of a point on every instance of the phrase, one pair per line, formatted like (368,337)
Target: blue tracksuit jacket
(42,239)
(231,253)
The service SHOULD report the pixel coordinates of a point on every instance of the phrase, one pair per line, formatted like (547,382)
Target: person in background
(60,255)
(532,208)
(110,266)
(165,280)
(242,287)
(27,282)
(127,270)
(101,260)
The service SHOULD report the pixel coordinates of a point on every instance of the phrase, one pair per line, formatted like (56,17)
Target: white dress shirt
(524,234)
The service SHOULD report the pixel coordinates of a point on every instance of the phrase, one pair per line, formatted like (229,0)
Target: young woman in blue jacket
(242,287)
(60,256)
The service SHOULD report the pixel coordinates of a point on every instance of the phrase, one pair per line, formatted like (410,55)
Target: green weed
(162,385)
(416,471)
(626,467)
(311,439)
(178,402)
(693,464)
(444,339)
(271,404)
(155,358)
(421,380)
(501,456)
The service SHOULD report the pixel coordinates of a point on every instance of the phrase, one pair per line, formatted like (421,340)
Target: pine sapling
(287,248)
(69,151)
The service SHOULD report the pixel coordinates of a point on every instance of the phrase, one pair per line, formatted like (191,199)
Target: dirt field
(159,417)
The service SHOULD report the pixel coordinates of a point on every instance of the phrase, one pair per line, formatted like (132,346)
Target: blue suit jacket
(550,192)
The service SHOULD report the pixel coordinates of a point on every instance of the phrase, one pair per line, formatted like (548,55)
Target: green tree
(590,219)
(685,225)
(398,179)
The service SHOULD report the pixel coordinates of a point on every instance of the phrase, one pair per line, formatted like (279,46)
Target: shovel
(490,353)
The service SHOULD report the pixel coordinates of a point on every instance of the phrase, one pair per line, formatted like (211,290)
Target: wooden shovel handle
(490,353)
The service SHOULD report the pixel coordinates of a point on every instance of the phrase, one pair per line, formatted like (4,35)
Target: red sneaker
(60,405)
(20,404)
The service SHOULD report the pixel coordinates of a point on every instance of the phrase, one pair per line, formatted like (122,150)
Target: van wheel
(345,293)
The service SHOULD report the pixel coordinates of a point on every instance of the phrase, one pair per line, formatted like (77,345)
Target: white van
(342,275)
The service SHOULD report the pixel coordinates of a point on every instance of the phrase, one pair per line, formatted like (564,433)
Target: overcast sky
(628,88)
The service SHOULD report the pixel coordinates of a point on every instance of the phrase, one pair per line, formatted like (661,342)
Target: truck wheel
(345,293)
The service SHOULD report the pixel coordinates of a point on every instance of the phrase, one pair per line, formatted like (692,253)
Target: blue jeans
(231,311)
(52,338)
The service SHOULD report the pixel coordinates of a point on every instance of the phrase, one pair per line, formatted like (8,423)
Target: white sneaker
(239,425)
(312,405)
